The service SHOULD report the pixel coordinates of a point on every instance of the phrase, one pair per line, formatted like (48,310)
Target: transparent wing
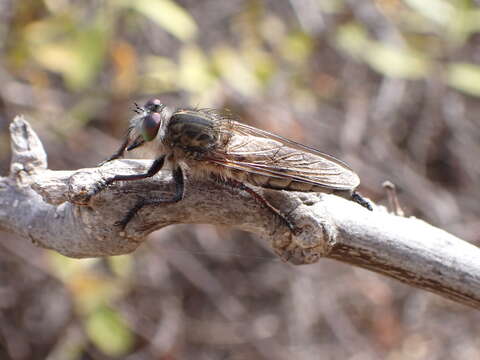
(257,151)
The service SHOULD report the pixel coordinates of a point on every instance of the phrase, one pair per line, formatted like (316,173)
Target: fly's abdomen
(191,131)
(268,182)
(278,183)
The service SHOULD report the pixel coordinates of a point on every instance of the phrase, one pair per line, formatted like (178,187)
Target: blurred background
(391,87)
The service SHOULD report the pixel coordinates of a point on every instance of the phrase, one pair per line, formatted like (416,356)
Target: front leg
(179,193)
(154,168)
(119,153)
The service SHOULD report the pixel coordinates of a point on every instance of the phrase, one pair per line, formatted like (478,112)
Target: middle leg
(179,193)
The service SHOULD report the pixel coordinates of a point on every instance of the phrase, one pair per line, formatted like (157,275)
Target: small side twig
(393,202)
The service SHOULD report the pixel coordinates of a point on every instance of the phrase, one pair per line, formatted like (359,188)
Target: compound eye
(150,126)
(154,105)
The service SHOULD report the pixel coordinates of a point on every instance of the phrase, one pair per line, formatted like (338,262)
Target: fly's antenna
(137,108)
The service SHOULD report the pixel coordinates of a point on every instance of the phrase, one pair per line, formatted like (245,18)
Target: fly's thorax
(200,170)
(151,149)
(191,131)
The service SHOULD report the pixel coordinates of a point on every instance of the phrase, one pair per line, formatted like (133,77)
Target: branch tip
(27,150)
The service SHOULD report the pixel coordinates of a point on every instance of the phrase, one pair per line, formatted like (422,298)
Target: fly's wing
(260,152)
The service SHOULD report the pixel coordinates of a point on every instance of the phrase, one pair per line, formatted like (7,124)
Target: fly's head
(146,125)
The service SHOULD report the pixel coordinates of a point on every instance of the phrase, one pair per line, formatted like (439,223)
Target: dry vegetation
(391,87)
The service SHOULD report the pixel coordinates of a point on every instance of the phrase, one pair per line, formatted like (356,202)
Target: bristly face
(145,126)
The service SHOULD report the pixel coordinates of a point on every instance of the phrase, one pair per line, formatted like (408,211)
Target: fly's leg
(154,168)
(179,193)
(359,199)
(119,153)
(260,199)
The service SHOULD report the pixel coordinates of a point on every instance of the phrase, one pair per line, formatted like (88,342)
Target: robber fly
(206,142)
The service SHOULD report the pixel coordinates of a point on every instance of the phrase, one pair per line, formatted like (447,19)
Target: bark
(56,210)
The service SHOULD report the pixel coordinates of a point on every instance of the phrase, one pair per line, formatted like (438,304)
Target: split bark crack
(55,210)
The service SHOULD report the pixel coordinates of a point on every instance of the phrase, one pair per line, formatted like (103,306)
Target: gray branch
(56,210)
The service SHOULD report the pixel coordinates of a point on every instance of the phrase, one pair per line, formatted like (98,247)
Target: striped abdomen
(278,183)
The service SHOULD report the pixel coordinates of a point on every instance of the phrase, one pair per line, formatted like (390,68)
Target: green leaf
(76,54)
(65,268)
(331,6)
(396,62)
(161,75)
(464,77)
(352,38)
(195,74)
(121,265)
(169,15)
(236,71)
(89,287)
(439,11)
(297,47)
(464,23)
(107,330)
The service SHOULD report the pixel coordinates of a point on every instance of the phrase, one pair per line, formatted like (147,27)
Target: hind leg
(261,200)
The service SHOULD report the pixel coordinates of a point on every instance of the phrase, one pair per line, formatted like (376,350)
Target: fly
(209,143)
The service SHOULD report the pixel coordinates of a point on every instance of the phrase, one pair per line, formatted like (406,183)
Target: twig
(55,210)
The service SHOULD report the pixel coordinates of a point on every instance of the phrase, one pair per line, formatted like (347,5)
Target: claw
(126,219)
(295,230)
(121,224)
(100,186)
(124,222)
(129,216)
